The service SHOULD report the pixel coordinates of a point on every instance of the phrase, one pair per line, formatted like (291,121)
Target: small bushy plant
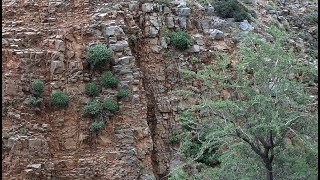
(173,138)
(92,108)
(108,80)
(97,126)
(312,18)
(165,32)
(167,54)
(35,101)
(59,99)
(92,89)
(180,40)
(37,87)
(23,131)
(99,55)
(164,2)
(111,105)
(123,93)
(231,9)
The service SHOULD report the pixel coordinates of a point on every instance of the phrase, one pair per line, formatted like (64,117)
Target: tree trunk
(268,165)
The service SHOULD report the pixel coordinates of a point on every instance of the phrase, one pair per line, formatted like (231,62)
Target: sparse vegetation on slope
(247,131)
(180,40)
(59,99)
(99,55)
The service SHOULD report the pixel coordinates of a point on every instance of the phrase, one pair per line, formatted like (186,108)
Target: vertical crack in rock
(152,123)
(151,116)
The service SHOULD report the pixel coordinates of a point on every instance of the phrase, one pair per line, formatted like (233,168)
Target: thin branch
(287,123)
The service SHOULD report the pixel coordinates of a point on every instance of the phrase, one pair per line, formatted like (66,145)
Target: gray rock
(56,67)
(205,24)
(34,166)
(216,34)
(163,42)
(185,11)
(154,21)
(156,49)
(119,46)
(135,97)
(210,10)
(219,23)
(147,7)
(153,32)
(123,60)
(199,6)
(133,6)
(245,26)
(183,22)
(60,45)
(166,10)
(195,48)
(113,30)
(170,22)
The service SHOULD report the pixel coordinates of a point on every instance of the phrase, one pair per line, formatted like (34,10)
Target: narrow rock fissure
(151,116)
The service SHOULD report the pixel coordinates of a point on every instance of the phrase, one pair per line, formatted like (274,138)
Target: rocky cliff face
(48,40)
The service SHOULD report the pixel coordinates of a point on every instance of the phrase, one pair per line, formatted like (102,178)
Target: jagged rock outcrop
(48,40)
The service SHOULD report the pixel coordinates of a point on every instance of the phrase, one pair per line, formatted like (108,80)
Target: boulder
(245,26)
(184,11)
(147,7)
(216,34)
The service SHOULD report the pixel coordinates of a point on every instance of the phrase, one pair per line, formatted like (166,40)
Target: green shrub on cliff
(231,9)
(99,55)
(108,80)
(97,126)
(123,93)
(92,89)
(92,108)
(59,99)
(37,87)
(180,40)
(35,101)
(111,105)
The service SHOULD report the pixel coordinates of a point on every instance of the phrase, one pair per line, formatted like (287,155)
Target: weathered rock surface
(48,40)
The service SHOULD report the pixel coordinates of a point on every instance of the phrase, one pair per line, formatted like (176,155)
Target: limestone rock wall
(47,40)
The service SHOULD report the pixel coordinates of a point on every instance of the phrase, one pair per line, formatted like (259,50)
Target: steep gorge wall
(47,40)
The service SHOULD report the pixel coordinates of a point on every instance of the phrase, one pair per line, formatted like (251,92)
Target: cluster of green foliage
(232,9)
(165,32)
(97,126)
(204,3)
(111,105)
(194,59)
(132,38)
(164,2)
(92,89)
(180,40)
(123,93)
(312,18)
(249,2)
(192,146)
(174,138)
(23,131)
(108,80)
(167,53)
(37,87)
(59,99)
(246,133)
(35,101)
(99,55)
(92,108)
